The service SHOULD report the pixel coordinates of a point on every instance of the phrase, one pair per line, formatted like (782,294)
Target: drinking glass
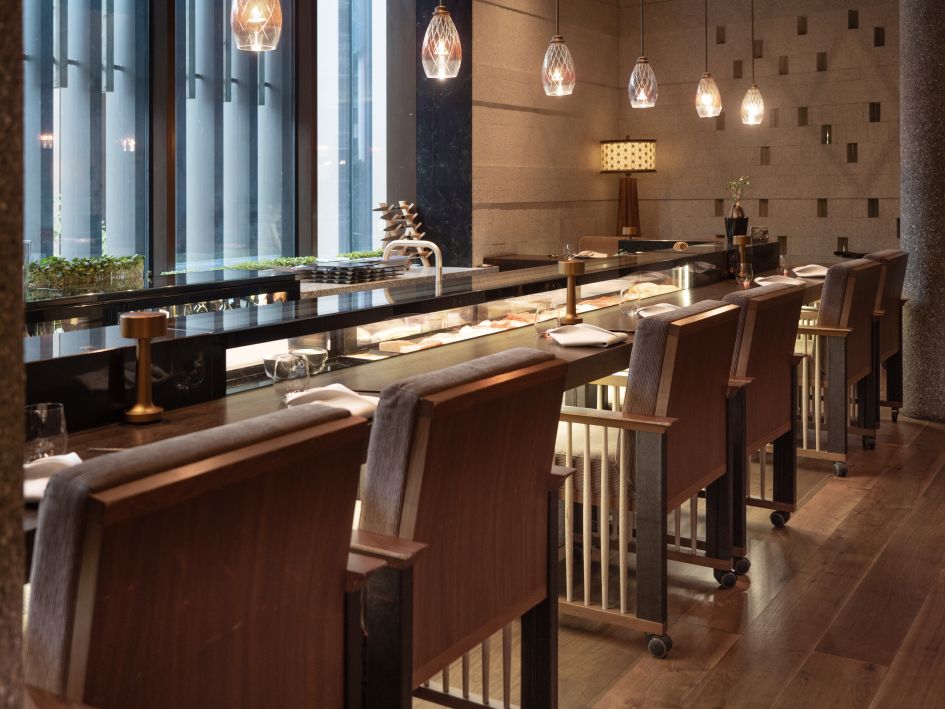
(745,275)
(289,375)
(546,318)
(630,301)
(45,431)
(568,252)
(783,265)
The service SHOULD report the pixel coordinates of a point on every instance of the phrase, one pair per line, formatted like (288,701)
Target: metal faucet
(391,245)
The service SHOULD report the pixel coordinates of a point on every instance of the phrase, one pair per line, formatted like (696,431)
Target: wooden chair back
(765,353)
(206,570)
(693,388)
(853,309)
(894,263)
(474,487)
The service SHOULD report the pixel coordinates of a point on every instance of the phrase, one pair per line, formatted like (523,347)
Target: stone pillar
(11,353)
(922,110)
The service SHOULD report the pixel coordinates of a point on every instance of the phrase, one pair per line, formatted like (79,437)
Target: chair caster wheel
(780,518)
(895,415)
(742,566)
(659,645)
(869,443)
(726,579)
(840,470)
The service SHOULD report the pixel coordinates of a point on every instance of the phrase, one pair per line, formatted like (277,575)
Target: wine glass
(783,265)
(45,431)
(547,318)
(630,301)
(289,375)
(568,252)
(744,275)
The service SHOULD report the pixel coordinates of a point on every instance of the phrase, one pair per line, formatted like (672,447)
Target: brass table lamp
(143,327)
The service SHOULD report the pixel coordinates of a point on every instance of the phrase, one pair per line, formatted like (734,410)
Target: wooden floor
(845,607)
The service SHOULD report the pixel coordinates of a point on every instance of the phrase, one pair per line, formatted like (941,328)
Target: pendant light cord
(557,17)
(642,52)
(752,42)
(706,36)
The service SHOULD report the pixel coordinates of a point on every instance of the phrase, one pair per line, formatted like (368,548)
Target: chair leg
(837,412)
(738,468)
(540,631)
(354,651)
(389,611)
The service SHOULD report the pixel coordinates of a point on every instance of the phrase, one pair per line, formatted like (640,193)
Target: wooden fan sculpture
(402,223)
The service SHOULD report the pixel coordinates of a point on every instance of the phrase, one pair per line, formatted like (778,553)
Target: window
(352,125)
(85,127)
(235,141)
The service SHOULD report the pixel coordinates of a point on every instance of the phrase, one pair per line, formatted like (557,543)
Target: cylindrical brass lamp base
(143,327)
(572,269)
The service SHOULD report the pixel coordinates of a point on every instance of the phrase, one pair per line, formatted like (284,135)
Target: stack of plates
(365,270)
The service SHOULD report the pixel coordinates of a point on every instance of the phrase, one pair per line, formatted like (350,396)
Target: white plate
(812,270)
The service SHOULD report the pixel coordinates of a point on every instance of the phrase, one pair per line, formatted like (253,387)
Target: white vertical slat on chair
(694,523)
(805,391)
(818,382)
(678,518)
(586,516)
(465,673)
(446,679)
(603,516)
(507,666)
(569,520)
(485,671)
(623,529)
(762,469)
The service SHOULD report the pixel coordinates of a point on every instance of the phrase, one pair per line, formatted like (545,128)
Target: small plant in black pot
(736,223)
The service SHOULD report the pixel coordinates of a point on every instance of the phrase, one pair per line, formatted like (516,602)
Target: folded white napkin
(585,335)
(771,280)
(36,474)
(811,270)
(338,396)
(656,309)
(590,254)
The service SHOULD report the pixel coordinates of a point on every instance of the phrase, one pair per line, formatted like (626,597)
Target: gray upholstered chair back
(679,367)
(460,459)
(129,602)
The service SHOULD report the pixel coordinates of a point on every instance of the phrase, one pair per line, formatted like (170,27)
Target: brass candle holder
(143,327)
(571,268)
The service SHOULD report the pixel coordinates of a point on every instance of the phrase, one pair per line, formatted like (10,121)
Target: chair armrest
(736,383)
(613,380)
(558,476)
(34,698)
(397,553)
(798,358)
(616,419)
(360,567)
(823,330)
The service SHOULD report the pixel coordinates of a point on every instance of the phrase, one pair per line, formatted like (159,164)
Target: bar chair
(889,327)
(459,459)
(672,445)
(836,339)
(208,570)
(764,412)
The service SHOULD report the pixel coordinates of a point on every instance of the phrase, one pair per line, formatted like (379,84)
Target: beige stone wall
(535,177)
(536,160)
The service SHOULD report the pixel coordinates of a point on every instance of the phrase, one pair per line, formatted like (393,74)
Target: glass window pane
(235,142)
(352,124)
(85,125)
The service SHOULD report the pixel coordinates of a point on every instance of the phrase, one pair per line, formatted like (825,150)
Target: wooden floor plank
(880,613)
(831,681)
(917,675)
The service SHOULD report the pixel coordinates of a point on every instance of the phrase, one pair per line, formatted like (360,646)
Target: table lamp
(628,156)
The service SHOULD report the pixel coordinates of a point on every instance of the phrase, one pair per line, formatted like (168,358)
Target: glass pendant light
(642,88)
(256,24)
(557,70)
(442,53)
(753,105)
(708,99)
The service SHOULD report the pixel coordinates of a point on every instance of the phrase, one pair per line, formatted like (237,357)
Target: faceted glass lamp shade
(256,24)
(708,98)
(753,107)
(643,89)
(442,53)
(557,70)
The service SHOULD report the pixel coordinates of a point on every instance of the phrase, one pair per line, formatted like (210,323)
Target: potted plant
(736,223)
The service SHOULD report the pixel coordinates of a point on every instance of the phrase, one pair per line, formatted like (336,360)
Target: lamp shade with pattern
(256,24)
(628,155)
(442,51)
